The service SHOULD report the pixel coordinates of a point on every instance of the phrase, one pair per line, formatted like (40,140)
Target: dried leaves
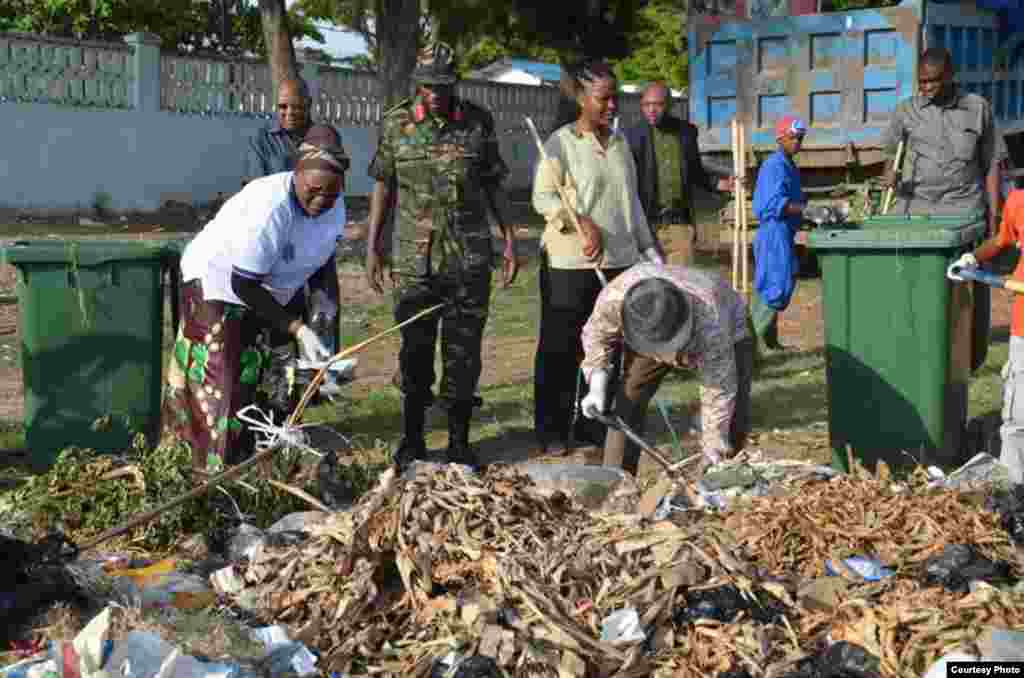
(448,560)
(849,515)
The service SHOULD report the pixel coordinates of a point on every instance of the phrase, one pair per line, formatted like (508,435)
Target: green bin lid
(899,233)
(88,252)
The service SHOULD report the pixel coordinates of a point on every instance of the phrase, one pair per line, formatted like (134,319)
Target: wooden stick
(564,196)
(890,192)
(738,215)
(318,379)
(744,233)
(301,494)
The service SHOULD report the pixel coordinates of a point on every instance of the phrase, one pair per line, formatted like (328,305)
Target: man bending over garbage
(667,317)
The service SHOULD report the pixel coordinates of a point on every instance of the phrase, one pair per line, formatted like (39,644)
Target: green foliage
(74,495)
(657,47)
(484,31)
(217,26)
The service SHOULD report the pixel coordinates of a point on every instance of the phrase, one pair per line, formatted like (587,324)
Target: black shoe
(408,451)
(459,449)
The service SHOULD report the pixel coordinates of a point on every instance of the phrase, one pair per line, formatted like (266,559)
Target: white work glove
(652,255)
(311,348)
(966,260)
(595,402)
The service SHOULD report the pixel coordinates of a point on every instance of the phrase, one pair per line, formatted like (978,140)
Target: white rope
(292,436)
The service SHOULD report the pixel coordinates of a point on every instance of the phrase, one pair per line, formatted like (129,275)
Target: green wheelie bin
(92,315)
(901,339)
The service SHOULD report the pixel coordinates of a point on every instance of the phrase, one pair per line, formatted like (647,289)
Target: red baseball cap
(789,124)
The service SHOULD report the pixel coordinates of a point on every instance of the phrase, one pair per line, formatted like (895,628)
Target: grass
(789,391)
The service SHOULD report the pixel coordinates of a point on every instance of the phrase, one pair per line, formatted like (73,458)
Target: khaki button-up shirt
(948,153)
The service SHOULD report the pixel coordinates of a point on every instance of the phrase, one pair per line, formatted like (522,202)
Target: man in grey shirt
(952,153)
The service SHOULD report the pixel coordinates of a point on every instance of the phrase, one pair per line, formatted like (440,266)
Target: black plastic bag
(335,491)
(1010,507)
(476,666)
(839,660)
(960,564)
(32,577)
(725,603)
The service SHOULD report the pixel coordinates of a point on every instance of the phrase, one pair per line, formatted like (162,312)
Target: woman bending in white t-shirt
(244,275)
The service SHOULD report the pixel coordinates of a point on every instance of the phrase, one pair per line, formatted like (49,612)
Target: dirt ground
(506,360)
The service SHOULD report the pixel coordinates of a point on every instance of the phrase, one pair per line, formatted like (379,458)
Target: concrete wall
(59,158)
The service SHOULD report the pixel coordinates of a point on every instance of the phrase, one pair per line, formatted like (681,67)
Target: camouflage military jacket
(442,169)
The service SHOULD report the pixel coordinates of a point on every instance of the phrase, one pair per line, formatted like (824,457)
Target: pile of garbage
(758,569)
(443,563)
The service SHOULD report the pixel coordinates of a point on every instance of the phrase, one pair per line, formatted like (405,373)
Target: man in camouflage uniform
(441,156)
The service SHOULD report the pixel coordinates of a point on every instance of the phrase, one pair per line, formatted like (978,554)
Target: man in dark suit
(669,168)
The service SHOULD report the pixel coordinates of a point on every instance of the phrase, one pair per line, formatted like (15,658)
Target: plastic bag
(868,569)
(959,564)
(476,666)
(839,660)
(1010,507)
(726,603)
(622,626)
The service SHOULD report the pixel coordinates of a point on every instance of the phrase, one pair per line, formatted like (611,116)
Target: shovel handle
(618,424)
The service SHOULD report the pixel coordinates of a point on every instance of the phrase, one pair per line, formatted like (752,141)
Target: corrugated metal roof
(538,69)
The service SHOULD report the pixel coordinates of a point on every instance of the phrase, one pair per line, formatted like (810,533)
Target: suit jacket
(691,167)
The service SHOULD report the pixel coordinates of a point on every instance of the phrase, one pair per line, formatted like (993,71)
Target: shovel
(616,422)
(990,279)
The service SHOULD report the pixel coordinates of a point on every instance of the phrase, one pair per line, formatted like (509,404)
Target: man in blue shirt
(274,148)
(779,204)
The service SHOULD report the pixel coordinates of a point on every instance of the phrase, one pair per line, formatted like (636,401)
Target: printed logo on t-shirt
(288,253)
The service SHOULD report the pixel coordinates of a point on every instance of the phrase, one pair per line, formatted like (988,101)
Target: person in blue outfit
(779,204)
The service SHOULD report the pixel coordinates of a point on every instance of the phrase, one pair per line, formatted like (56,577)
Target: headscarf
(321,148)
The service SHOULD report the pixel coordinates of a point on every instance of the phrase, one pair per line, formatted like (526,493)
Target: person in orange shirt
(1010,234)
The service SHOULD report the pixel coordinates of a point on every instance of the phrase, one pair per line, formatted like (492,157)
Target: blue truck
(844,72)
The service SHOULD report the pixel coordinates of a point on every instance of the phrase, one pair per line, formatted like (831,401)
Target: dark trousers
(462,321)
(567,298)
(640,379)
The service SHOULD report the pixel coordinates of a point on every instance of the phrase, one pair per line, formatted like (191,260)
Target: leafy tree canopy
(210,26)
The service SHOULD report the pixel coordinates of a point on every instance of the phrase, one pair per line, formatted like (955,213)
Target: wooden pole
(744,232)
(890,192)
(737,220)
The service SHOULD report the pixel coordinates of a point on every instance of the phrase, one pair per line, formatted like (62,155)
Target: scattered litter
(470,667)
(161,585)
(1001,645)
(622,626)
(981,469)
(858,567)
(1010,507)
(839,660)
(284,655)
(940,669)
(727,603)
(226,581)
(960,564)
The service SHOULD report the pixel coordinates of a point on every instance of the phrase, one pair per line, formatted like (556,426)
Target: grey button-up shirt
(948,153)
(271,150)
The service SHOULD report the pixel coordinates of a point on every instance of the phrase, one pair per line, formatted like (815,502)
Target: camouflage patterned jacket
(442,168)
(720,322)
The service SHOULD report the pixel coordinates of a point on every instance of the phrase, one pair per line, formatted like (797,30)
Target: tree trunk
(280,52)
(397,27)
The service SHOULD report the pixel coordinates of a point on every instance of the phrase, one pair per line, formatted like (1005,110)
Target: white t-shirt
(263,232)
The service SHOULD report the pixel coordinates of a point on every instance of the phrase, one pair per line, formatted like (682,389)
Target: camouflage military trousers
(467,295)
